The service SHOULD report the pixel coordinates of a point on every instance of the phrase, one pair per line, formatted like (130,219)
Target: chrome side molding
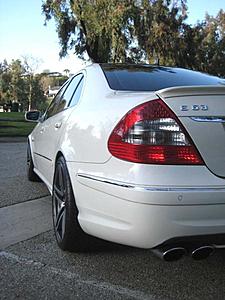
(149,188)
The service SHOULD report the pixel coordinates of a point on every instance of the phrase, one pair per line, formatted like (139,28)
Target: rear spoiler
(191,91)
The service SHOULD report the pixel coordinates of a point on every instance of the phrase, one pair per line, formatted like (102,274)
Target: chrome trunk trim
(209,119)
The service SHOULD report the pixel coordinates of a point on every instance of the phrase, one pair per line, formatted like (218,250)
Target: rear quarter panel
(95,116)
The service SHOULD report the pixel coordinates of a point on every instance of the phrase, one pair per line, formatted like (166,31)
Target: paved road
(37,269)
(14,187)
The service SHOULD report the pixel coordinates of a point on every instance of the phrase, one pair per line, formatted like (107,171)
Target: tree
(158,26)
(30,66)
(5,79)
(204,45)
(99,28)
(39,100)
(213,44)
(139,31)
(19,84)
(52,80)
(118,31)
(66,71)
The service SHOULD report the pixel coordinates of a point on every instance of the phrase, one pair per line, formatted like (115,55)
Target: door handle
(42,129)
(58,125)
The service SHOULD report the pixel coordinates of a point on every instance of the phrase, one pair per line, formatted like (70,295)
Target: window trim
(72,78)
(65,83)
(82,78)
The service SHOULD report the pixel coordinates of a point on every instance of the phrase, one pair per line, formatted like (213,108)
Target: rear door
(201,109)
(52,128)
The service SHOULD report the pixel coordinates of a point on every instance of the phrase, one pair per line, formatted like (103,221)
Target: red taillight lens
(152,134)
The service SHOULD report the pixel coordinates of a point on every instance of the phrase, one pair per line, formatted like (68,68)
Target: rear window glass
(153,78)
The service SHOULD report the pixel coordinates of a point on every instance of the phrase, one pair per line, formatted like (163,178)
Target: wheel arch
(30,144)
(59,154)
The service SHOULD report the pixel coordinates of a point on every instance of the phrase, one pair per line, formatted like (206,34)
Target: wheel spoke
(60,222)
(59,202)
(60,177)
(58,193)
(63,223)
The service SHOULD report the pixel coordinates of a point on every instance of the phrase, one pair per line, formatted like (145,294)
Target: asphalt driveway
(33,267)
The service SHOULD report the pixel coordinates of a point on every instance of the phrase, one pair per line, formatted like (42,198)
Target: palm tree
(66,71)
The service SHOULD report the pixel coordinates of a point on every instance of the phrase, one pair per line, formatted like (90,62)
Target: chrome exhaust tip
(202,252)
(170,254)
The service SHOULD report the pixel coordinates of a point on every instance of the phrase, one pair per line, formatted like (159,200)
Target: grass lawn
(15,116)
(14,124)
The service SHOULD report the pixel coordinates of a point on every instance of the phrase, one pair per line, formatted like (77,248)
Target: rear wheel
(31,175)
(68,232)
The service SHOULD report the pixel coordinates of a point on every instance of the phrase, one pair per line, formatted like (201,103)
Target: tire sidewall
(72,227)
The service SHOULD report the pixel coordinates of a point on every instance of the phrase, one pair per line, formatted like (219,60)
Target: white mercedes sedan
(135,154)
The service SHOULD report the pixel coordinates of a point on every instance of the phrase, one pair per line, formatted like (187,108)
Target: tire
(68,233)
(31,175)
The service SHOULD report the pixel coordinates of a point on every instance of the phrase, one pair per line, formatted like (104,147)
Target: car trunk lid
(201,109)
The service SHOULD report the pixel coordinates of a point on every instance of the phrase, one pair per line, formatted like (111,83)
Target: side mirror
(32,116)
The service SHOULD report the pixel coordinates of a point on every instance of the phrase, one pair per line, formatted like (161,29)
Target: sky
(22,32)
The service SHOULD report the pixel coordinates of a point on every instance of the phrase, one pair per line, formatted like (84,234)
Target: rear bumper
(123,214)
(155,195)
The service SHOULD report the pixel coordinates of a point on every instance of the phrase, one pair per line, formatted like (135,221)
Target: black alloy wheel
(68,232)
(31,175)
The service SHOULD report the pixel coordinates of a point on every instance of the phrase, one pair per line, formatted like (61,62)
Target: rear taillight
(152,134)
